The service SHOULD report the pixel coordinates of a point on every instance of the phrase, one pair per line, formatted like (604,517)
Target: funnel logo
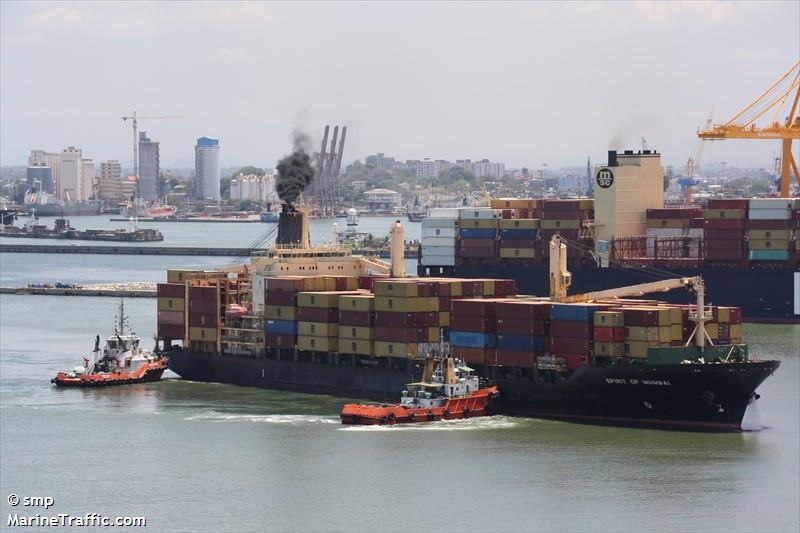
(604,178)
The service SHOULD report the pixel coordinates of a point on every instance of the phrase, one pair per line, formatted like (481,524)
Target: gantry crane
(772,102)
(135,123)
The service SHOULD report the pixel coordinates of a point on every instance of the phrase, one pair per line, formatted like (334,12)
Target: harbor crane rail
(771,103)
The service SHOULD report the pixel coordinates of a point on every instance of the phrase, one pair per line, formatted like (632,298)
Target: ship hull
(764,295)
(67,210)
(711,397)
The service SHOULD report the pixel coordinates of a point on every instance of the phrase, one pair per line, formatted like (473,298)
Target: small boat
(352,218)
(123,362)
(451,392)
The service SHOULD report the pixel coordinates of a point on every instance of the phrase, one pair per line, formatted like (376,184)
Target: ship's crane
(771,104)
(135,123)
(561,279)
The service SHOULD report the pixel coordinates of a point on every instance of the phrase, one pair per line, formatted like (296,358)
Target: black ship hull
(764,295)
(712,397)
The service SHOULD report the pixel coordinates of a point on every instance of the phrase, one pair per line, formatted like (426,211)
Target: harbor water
(207,457)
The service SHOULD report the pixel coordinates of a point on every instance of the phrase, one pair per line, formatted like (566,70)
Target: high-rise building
(69,186)
(109,184)
(39,178)
(206,169)
(149,169)
(87,179)
(40,158)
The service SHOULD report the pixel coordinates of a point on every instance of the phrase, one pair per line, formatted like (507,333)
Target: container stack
(563,217)
(406,317)
(647,327)
(473,328)
(572,331)
(318,320)
(356,324)
(280,311)
(769,229)
(521,332)
(477,235)
(517,207)
(673,223)
(439,233)
(724,230)
(204,313)
(609,334)
(518,240)
(171,310)
(729,325)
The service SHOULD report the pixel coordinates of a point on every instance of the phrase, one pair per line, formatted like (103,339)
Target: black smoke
(295,172)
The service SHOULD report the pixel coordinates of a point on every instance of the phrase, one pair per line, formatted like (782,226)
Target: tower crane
(135,123)
(781,97)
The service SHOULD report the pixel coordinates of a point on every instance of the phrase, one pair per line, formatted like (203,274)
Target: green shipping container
(769,255)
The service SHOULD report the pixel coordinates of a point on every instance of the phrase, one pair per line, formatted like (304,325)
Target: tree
(246,171)
(225,188)
(456,175)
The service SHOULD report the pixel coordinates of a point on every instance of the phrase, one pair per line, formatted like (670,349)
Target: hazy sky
(523,83)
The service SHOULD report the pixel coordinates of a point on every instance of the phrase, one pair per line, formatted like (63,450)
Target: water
(209,457)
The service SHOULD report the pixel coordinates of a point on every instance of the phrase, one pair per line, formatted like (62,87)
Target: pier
(120,290)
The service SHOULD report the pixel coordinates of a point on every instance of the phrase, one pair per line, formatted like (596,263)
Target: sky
(522,83)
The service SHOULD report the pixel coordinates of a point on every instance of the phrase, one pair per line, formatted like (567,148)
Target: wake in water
(464,424)
(752,418)
(268,419)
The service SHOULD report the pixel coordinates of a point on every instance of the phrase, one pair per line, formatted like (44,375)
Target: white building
(260,189)
(109,183)
(206,169)
(40,158)
(69,185)
(87,179)
(483,168)
(149,168)
(382,199)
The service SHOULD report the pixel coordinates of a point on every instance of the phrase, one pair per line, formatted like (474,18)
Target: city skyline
(544,82)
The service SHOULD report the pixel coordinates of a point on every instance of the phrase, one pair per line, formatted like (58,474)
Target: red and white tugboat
(447,392)
(123,361)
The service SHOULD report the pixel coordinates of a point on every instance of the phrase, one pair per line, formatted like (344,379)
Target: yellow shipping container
(317,344)
(723,214)
(676,332)
(280,312)
(723,314)
(407,305)
(444,318)
(675,316)
(203,334)
(179,275)
(509,203)
(609,319)
(511,253)
(364,302)
(520,223)
(396,349)
(664,314)
(434,334)
(713,330)
(664,334)
(774,244)
(561,224)
(356,332)
(672,223)
(487,223)
(488,289)
(586,203)
(356,346)
(769,234)
(610,349)
(325,300)
(401,288)
(171,304)
(638,349)
(318,329)
(641,333)
(736,332)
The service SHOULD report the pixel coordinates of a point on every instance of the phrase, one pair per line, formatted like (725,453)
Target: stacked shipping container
(769,228)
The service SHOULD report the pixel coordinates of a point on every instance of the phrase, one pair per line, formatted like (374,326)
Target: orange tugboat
(123,362)
(448,392)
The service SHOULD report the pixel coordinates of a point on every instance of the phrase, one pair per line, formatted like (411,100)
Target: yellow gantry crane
(781,97)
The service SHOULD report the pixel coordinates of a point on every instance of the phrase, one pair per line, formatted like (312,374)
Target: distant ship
(47,205)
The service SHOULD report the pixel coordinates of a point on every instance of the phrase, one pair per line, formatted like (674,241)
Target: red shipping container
(518,359)
(723,234)
(393,319)
(609,334)
(482,324)
(317,314)
(514,326)
(477,243)
(568,328)
(169,331)
(724,332)
(769,224)
(170,290)
(280,298)
(472,307)
(574,361)
(198,320)
(639,317)
(444,303)
(367,282)
(675,212)
(697,223)
(287,284)
(383,333)
(523,309)
(724,244)
(518,243)
(728,203)
(442,289)
(477,356)
(725,255)
(476,252)
(505,287)
(364,319)
(724,224)
(570,345)
(204,307)
(171,318)
(736,315)
(272,340)
(203,293)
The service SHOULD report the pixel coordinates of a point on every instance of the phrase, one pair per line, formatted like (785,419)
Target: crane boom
(135,123)
(634,290)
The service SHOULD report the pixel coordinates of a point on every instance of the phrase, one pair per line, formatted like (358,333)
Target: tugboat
(123,361)
(450,393)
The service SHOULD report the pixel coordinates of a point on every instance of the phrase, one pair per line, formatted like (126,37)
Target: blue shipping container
(573,312)
(478,233)
(519,233)
(281,327)
(470,339)
(520,343)
(769,255)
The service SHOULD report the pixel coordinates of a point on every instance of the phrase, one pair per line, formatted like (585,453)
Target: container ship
(744,248)
(320,320)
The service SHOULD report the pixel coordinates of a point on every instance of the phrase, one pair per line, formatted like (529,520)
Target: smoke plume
(295,172)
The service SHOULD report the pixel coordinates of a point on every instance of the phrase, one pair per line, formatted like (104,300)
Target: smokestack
(398,251)
(290,227)
(612,158)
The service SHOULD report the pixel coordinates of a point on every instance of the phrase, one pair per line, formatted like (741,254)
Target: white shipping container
(442,212)
(438,250)
(696,233)
(770,203)
(439,223)
(666,232)
(439,241)
(479,213)
(437,260)
(769,214)
(439,232)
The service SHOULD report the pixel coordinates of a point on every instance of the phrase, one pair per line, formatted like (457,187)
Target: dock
(160,250)
(119,290)
(215,220)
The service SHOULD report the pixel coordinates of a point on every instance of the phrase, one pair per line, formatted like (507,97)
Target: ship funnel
(398,251)
(293,227)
